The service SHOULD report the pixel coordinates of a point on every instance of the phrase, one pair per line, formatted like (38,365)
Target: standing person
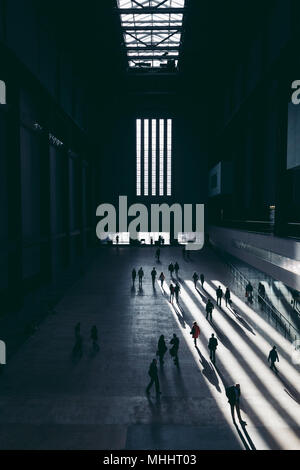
(157,254)
(195,278)
(227,296)
(174,350)
(176,267)
(273,357)
(249,292)
(133,276)
(77,330)
(219,294)
(153,275)
(202,279)
(161,349)
(141,275)
(195,332)
(177,290)
(94,338)
(209,308)
(172,291)
(154,377)
(233,394)
(212,346)
(162,278)
(117,239)
(171,269)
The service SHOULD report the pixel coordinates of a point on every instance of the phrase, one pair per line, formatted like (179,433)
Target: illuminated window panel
(153,157)
(138,157)
(161,157)
(146,156)
(169,156)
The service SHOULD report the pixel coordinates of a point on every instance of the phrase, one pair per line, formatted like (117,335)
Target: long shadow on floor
(208,371)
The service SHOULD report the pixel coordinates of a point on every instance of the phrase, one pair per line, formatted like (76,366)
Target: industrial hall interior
(150,225)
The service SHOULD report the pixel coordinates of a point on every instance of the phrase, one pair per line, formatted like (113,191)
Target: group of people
(78,347)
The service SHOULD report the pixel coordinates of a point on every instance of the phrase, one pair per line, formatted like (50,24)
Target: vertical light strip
(146,156)
(138,157)
(153,157)
(161,157)
(169,156)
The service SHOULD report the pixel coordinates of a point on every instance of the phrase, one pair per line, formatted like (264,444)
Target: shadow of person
(203,298)
(241,436)
(220,335)
(243,426)
(141,291)
(155,407)
(291,391)
(208,371)
(242,320)
(133,290)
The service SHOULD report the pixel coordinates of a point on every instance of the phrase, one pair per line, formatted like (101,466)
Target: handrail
(271,307)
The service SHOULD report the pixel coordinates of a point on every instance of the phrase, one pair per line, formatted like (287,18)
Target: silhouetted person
(141,275)
(77,330)
(77,350)
(209,309)
(157,254)
(161,349)
(151,241)
(261,292)
(172,292)
(177,290)
(153,275)
(249,292)
(233,394)
(174,349)
(176,268)
(212,346)
(219,294)
(273,357)
(171,269)
(94,337)
(117,239)
(202,279)
(195,278)
(227,296)
(195,332)
(162,278)
(154,377)
(133,275)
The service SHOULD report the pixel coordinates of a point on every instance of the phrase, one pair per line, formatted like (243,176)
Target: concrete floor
(50,401)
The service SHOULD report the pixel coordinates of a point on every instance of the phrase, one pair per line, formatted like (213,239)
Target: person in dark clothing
(171,269)
(212,346)
(176,267)
(273,357)
(209,309)
(249,292)
(153,373)
(94,338)
(161,349)
(261,292)
(219,294)
(133,276)
(174,350)
(227,296)
(162,278)
(202,280)
(153,275)
(77,330)
(141,275)
(233,394)
(195,278)
(177,290)
(172,291)
(157,254)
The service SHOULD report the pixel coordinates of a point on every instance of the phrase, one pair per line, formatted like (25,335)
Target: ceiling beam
(151,28)
(151,57)
(149,10)
(151,48)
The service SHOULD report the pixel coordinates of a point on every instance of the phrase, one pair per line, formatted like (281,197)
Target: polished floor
(49,400)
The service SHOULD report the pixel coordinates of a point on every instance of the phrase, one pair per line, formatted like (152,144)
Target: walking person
(153,276)
(227,296)
(157,254)
(177,290)
(174,349)
(233,394)
(202,280)
(133,276)
(195,332)
(171,269)
(153,373)
(94,338)
(273,357)
(176,268)
(161,349)
(219,294)
(212,346)
(141,275)
(172,292)
(249,292)
(161,278)
(196,279)
(209,309)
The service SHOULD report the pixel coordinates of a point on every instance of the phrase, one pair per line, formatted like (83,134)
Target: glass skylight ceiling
(152,32)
